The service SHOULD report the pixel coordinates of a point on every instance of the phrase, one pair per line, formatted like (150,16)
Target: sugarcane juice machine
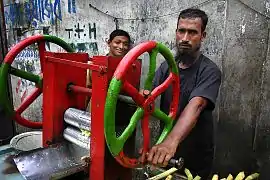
(63,85)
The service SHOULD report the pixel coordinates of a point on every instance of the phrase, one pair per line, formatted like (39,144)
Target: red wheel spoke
(24,122)
(41,48)
(146,133)
(161,88)
(29,100)
(133,92)
(125,161)
(175,97)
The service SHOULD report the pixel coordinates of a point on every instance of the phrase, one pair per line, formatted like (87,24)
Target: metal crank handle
(177,163)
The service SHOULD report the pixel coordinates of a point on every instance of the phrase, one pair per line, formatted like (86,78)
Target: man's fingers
(161,158)
(140,150)
(167,159)
(156,157)
(151,154)
(159,155)
(143,157)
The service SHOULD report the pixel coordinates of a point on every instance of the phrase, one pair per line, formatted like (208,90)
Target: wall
(238,41)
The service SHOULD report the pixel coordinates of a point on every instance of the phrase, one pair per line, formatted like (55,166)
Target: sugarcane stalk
(240,176)
(169,177)
(85,133)
(215,177)
(164,174)
(188,173)
(230,177)
(197,178)
(253,176)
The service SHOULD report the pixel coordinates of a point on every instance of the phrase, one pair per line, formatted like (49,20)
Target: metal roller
(78,118)
(76,136)
(126,99)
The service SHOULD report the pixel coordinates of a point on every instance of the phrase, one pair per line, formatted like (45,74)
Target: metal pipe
(88,92)
(126,99)
(75,136)
(78,118)
(81,90)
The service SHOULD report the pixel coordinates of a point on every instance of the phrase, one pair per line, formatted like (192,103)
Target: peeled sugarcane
(164,174)
(188,173)
(197,178)
(169,177)
(230,177)
(252,176)
(240,176)
(215,177)
(85,133)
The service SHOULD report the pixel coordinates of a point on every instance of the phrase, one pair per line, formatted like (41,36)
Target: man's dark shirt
(202,79)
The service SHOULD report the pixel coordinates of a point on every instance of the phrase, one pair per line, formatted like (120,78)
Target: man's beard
(187,56)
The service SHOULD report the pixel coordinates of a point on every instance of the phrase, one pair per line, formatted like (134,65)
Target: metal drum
(75,136)
(78,118)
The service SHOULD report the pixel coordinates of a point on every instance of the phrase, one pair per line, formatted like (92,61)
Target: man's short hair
(119,32)
(194,13)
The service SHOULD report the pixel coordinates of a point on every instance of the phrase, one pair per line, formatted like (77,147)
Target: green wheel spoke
(26,75)
(152,69)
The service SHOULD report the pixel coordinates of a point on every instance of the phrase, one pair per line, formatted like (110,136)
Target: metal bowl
(27,141)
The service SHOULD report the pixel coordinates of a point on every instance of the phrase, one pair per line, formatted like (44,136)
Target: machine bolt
(146,175)
(177,163)
(49,143)
(133,65)
(146,93)
(150,107)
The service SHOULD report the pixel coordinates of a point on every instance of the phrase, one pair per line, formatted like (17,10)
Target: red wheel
(6,68)
(146,104)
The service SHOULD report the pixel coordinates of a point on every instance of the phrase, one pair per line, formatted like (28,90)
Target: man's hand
(160,154)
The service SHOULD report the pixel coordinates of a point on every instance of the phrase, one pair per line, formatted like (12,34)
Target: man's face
(189,36)
(119,46)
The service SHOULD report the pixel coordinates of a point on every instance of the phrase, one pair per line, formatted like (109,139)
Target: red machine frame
(64,80)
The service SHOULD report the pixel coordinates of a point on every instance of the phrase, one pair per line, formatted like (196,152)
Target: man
(119,44)
(192,134)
